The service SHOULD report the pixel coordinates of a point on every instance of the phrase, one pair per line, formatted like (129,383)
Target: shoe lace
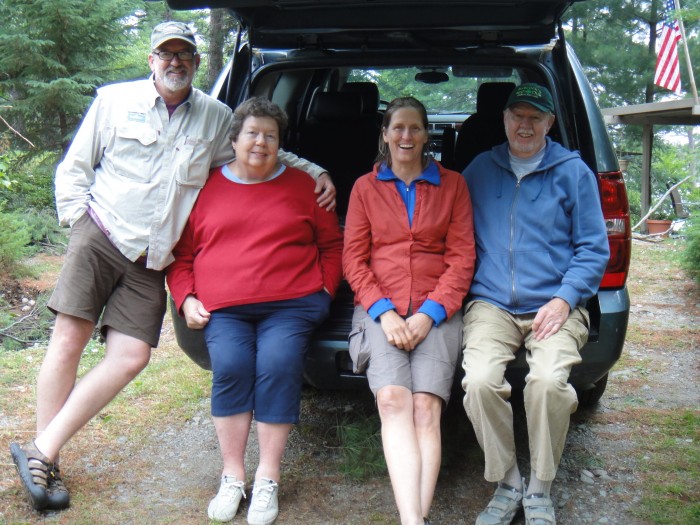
(263,495)
(229,489)
(54,479)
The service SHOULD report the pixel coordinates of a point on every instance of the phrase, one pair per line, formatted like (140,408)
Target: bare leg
(272,439)
(232,432)
(427,411)
(125,357)
(401,450)
(58,371)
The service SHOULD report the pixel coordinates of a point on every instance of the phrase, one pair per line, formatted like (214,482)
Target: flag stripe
(667,74)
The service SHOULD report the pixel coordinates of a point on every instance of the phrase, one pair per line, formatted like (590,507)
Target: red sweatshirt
(254,243)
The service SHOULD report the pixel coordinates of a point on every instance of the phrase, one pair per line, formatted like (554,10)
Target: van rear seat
(338,137)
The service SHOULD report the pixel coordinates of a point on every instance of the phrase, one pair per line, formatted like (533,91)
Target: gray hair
(258,107)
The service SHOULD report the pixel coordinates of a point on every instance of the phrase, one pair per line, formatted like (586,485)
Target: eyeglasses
(167,56)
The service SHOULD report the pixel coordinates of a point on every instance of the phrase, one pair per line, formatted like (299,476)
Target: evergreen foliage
(691,255)
(53,54)
(14,238)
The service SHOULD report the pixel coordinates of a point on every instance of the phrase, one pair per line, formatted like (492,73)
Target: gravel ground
(176,472)
(596,483)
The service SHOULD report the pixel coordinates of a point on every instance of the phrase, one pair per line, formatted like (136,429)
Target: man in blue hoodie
(542,249)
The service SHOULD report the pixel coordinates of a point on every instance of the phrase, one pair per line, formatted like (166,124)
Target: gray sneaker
(225,504)
(503,507)
(264,507)
(539,510)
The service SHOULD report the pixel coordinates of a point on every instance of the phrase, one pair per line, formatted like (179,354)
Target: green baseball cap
(172,31)
(533,94)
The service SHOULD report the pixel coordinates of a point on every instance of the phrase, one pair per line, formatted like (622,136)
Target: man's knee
(482,380)
(550,389)
(134,362)
(127,354)
(70,333)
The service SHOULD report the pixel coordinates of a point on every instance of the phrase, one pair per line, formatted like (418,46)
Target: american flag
(668,74)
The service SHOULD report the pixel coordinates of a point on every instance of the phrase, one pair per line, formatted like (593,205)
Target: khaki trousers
(492,336)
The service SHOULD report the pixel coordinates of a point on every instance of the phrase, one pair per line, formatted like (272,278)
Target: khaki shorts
(430,367)
(98,281)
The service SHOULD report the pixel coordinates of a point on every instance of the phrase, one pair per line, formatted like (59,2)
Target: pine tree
(53,54)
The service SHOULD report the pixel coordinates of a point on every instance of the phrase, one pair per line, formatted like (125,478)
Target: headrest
(492,96)
(369,93)
(336,106)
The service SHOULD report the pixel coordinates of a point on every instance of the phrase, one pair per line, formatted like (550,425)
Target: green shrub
(44,231)
(14,239)
(31,181)
(691,255)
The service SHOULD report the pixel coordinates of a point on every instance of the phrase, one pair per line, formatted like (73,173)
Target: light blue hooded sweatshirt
(538,238)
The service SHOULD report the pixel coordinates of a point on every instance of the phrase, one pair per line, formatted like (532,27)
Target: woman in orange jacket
(409,257)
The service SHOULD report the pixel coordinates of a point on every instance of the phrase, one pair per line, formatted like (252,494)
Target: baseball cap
(171,31)
(533,94)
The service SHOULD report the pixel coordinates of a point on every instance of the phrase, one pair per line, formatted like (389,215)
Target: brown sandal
(33,468)
(59,497)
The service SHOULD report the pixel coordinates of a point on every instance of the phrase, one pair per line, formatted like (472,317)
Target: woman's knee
(393,400)
(427,410)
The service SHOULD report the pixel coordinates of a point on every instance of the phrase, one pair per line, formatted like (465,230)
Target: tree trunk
(216,46)
(652,47)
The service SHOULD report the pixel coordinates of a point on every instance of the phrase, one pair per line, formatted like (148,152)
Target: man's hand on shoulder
(326,190)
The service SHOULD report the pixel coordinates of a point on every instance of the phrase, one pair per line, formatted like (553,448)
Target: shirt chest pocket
(193,159)
(134,152)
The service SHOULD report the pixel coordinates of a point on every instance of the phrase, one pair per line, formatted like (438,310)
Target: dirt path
(170,476)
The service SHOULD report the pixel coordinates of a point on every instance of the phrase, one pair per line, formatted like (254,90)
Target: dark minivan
(333,65)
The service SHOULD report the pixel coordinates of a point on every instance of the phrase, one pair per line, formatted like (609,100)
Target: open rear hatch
(387,24)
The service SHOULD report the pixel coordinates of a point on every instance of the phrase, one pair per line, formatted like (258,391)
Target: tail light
(616,213)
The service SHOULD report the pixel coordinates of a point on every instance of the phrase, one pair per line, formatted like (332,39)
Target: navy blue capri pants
(257,355)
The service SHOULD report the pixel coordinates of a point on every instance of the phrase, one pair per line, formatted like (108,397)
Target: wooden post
(693,88)
(647,143)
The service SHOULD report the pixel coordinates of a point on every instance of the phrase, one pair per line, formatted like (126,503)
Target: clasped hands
(405,334)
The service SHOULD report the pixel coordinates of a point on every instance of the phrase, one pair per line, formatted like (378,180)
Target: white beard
(176,83)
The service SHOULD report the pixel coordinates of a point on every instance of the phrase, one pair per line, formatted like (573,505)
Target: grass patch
(651,337)
(362,455)
(169,390)
(670,466)
(669,252)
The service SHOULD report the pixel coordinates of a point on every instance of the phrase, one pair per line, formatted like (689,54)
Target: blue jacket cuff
(435,310)
(378,308)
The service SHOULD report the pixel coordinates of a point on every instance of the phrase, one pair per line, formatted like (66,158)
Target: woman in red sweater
(256,267)
(409,258)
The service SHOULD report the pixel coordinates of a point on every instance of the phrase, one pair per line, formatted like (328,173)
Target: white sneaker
(225,505)
(263,508)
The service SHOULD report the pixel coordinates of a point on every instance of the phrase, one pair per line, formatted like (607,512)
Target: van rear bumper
(328,364)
